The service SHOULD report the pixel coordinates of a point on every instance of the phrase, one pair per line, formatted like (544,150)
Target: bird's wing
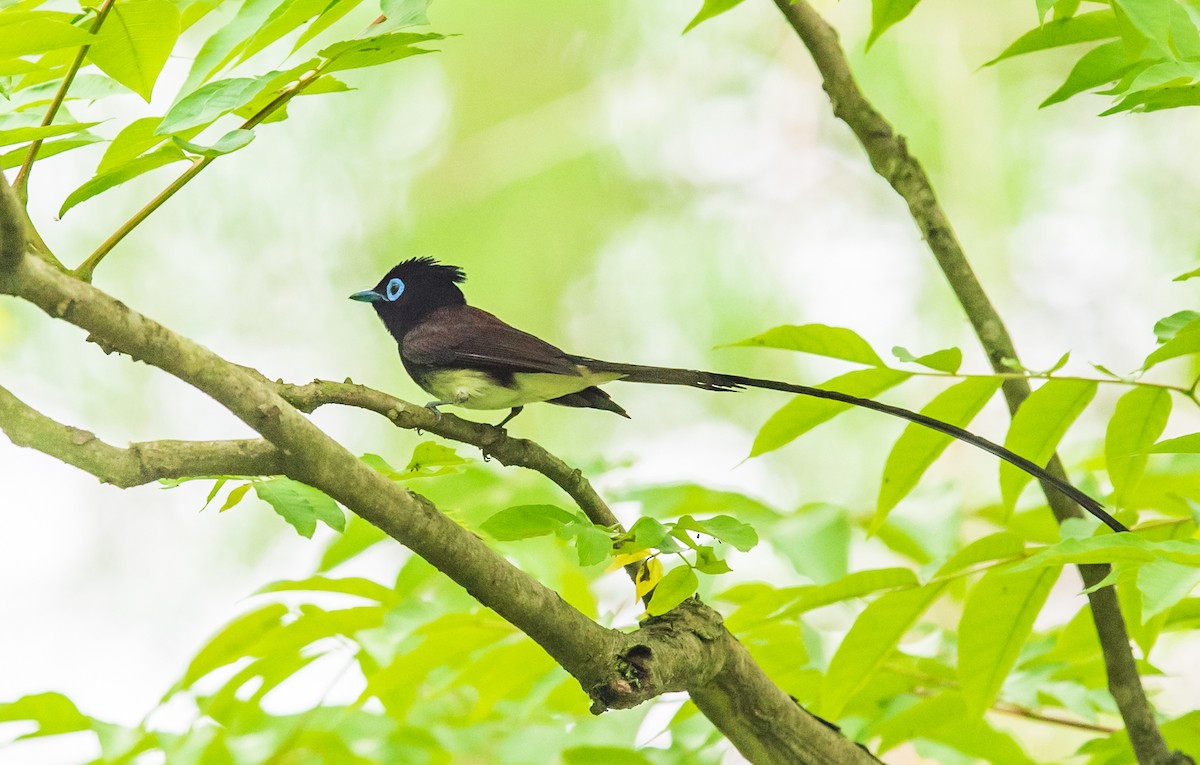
(463,336)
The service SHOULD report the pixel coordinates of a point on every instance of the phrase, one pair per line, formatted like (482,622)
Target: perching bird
(467,357)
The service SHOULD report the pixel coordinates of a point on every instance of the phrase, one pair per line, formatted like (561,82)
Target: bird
(465,356)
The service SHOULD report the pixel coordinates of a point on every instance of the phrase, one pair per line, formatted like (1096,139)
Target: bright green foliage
(1139,418)
(946,360)
(818,339)
(130,48)
(885,13)
(134,42)
(710,9)
(301,506)
(918,446)
(803,413)
(997,619)
(1038,426)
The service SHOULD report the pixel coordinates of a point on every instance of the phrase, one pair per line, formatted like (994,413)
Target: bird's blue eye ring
(394,288)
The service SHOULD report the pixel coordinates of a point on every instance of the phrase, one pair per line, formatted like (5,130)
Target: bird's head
(411,290)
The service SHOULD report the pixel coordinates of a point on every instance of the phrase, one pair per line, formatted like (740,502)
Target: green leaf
(229,644)
(1183,278)
(1103,64)
(592,543)
(1098,25)
(1163,584)
(358,536)
(121,174)
(35,34)
(854,585)
(1171,326)
(997,619)
(725,528)
(998,546)
(282,20)
(707,561)
(135,41)
(803,413)
(711,9)
(351,585)
(1139,418)
(402,14)
(210,102)
(677,586)
(1114,548)
(1038,426)
(946,360)
(15,157)
(300,505)
(373,51)
(433,459)
(1189,444)
(885,13)
(227,144)
(25,134)
(54,713)
(1185,342)
(870,642)
(234,497)
(1150,17)
(648,533)
(818,339)
(526,521)
(332,13)
(220,49)
(918,446)
(602,755)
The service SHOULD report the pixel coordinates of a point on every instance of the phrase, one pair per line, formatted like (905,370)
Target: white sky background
(104,594)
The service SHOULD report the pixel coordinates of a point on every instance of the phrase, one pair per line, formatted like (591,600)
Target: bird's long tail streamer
(723,382)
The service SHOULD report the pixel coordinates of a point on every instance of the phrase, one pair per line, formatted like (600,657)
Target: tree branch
(889,155)
(141,463)
(615,669)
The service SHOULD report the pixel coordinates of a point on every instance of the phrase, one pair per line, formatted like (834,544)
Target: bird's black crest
(428,267)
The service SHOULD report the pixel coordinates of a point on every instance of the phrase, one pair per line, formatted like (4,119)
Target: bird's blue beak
(367,296)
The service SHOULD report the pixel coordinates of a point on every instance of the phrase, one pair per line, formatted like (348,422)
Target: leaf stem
(1186,391)
(88,267)
(21,181)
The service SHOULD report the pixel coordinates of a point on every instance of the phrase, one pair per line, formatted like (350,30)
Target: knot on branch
(673,652)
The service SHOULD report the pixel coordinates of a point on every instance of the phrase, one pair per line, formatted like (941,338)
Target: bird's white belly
(472,389)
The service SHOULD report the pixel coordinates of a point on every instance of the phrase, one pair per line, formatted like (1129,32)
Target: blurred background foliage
(631,194)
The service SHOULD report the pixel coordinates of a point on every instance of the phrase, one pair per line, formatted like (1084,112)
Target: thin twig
(21,182)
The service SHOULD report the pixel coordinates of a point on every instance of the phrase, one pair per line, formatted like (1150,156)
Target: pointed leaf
(1103,64)
(121,174)
(135,41)
(818,339)
(918,446)
(885,13)
(1184,343)
(227,144)
(1097,25)
(1139,418)
(1163,584)
(209,102)
(854,585)
(677,586)
(229,644)
(220,49)
(998,546)
(373,51)
(803,413)
(997,619)
(25,134)
(945,360)
(526,521)
(710,9)
(1038,426)
(1189,444)
(300,505)
(870,642)
(54,714)
(36,33)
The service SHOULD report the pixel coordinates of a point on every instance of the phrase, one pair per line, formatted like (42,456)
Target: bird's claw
(433,407)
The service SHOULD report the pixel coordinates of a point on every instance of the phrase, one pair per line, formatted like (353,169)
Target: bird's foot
(515,411)
(433,407)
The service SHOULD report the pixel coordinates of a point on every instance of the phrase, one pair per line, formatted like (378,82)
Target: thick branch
(889,155)
(141,463)
(606,662)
